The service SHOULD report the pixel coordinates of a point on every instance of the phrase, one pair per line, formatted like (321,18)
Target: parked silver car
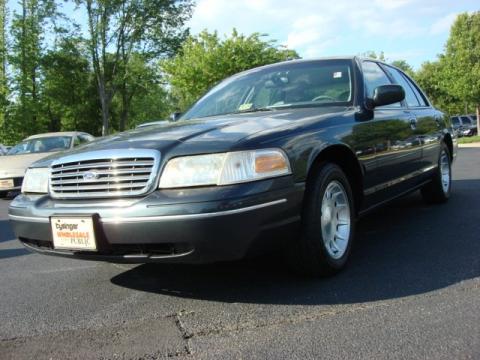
(14,164)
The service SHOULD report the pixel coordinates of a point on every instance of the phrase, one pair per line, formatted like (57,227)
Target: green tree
(3,67)
(206,59)
(69,100)
(462,60)
(433,80)
(126,26)
(404,66)
(28,30)
(141,96)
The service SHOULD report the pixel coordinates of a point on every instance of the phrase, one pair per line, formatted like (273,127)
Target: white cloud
(317,28)
(443,24)
(392,4)
(308,30)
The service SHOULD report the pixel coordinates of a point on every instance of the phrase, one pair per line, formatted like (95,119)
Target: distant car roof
(64,133)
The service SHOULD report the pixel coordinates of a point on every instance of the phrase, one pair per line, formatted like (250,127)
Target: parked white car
(14,164)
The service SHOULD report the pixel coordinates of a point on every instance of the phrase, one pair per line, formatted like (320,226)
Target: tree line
(452,80)
(113,64)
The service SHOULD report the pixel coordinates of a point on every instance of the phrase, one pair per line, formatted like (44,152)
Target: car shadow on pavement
(6,233)
(404,249)
(9,253)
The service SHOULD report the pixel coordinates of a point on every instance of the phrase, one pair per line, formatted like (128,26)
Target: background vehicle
(465,125)
(288,155)
(33,148)
(473,117)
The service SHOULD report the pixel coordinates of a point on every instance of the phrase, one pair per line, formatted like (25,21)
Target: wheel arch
(345,158)
(447,139)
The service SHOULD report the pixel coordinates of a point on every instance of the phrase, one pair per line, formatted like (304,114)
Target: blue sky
(413,30)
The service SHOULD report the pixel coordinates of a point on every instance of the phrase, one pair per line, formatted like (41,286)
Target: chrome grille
(105,173)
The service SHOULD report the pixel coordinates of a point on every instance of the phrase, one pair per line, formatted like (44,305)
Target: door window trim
(403,104)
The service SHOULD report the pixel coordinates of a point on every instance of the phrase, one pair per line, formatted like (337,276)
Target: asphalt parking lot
(412,290)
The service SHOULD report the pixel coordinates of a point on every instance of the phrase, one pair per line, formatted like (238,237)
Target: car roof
(151,123)
(63,133)
(297,61)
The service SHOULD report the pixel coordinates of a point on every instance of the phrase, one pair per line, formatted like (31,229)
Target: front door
(398,150)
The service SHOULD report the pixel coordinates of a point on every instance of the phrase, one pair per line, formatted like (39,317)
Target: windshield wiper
(253,109)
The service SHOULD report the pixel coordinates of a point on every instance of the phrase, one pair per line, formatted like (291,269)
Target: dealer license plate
(73,233)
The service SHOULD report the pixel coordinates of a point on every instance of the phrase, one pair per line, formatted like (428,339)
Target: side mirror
(175,116)
(386,95)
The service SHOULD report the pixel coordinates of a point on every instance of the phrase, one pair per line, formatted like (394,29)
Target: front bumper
(191,226)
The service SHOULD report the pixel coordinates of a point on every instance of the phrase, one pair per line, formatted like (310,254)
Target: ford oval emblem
(90,175)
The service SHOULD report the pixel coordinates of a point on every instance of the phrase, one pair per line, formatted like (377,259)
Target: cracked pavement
(412,290)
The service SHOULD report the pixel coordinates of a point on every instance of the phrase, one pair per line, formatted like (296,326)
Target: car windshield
(39,145)
(300,84)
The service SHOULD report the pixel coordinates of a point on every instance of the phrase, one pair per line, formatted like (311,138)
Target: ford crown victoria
(285,156)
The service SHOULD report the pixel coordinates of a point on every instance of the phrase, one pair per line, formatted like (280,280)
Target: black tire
(309,255)
(434,192)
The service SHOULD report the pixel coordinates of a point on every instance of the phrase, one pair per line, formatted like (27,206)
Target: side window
(77,141)
(374,76)
(410,97)
(420,96)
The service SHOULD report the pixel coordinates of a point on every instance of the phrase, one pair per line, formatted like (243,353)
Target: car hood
(15,165)
(213,134)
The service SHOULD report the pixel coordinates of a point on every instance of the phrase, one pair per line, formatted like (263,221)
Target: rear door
(397,150)
(428,121)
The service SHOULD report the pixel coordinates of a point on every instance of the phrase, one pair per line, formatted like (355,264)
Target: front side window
(290,85)
(466,120)
(374,77)
(410,97)
(39,145)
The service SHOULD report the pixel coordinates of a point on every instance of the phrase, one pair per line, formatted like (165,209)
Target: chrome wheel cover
(445,172)
(335,219)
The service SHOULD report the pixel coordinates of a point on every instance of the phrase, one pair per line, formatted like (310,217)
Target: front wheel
(438,190)
(328,223)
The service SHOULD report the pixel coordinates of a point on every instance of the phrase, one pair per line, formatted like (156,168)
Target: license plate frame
(75,233)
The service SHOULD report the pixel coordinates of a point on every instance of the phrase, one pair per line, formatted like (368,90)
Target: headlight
(36,181)
(224,168)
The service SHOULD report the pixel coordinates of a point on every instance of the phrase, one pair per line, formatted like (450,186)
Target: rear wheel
(438,190)
(327,224)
